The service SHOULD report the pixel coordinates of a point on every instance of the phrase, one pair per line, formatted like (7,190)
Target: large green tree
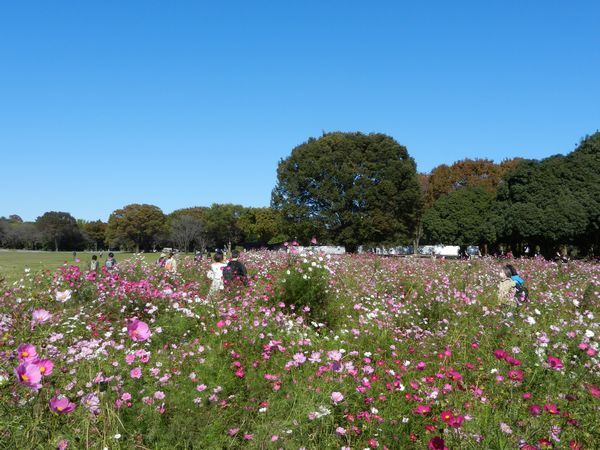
(349,189)
(96,232)
(460,218)
(135,226)
(553,201)
(221,224)
(59,230)
(262,226)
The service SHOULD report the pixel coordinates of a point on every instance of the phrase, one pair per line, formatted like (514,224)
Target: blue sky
(106,103)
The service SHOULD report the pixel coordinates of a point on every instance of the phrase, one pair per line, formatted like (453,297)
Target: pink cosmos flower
(500,354)
(126,396)
(516,375)
(45,365)
(39,316)
(456,421)
(138,330)
(436,443)
(551,408)
(422,409)
(61,405)
(26,353)
(594,391)
(535,410)
(136,373)
(29,375)
(337,397)
(555,362)
(446,416)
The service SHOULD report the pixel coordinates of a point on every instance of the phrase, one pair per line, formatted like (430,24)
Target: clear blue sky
(184,103)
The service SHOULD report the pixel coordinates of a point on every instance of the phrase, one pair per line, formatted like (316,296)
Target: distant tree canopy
(185,230)
(461,217)
(350,189)
(555,200)
(482,173)
(262,226)
(135,226)
(355,189)
(95,231)
(59,231)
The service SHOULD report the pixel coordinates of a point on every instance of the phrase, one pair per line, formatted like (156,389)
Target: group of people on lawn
(221,272)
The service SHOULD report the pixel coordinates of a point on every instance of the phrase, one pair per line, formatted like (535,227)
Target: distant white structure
(447,251)
(325,249)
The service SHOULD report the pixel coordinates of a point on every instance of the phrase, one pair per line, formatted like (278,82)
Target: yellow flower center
(24,378)
(24,354)
(59,408)
(42,369)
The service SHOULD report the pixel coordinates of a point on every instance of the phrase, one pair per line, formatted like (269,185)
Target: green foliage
(262,226)
(305,284)
(96,232)
(349,188)
(460,218)
(135,226)
(482,173)
(60,231)
(555,200)
(221,224)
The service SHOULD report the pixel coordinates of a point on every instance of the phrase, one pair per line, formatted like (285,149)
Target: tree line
(357,189)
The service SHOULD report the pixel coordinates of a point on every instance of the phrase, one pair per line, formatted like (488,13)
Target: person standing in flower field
(215,273)
(171,263)
(94,264)
(235,271)
(110,262)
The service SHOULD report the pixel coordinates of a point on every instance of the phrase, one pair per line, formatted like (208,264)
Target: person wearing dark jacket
(235,270)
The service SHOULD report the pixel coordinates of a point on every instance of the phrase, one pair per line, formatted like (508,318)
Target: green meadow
(14,262)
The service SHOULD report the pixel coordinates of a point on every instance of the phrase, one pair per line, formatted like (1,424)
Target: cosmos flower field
(340,352)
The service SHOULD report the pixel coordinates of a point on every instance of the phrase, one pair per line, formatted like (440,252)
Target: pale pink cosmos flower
(136,373)
(39,316)
(138,331)
(336,397)
(63,296)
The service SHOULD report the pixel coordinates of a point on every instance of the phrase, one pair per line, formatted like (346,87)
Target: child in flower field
(506,288)
(171,263)
(216,274)
(94,264)
(521,292)
(110,262)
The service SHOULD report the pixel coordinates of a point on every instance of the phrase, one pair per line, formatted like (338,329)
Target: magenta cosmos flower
(61,405)
(45,365)
(138,330)
(26,353)
(555,362)
(29,375)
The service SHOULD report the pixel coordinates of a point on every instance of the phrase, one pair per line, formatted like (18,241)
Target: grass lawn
(14,262)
